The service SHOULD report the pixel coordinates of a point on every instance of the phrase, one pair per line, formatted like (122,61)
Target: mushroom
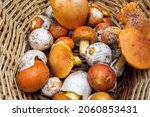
(95,16)
(33,72)
(57,30)
(118,65)
(101,77)
(61,60)
(98,53)
(100,96)
(108,20)
(135,47)
(99,28)
(40,39)
(40,21)
(52,87)
(83,36)
(28,59)
(76,86)
(110,37)
(67,40)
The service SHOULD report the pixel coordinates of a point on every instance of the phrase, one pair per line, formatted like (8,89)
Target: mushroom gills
(83,45)
(72,95)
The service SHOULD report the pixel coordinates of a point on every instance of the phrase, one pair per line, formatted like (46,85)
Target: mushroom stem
(120,62)
(118,66)
(72,95)
(83,45)
(77,61)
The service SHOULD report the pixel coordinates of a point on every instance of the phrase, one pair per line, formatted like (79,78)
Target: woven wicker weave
(15,19)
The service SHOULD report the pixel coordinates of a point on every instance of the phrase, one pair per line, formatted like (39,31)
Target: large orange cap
(135,48)
(60,60)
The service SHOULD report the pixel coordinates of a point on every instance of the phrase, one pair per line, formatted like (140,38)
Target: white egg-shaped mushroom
(40,39)
(28,59)
(98,53)
(47,21)
(49,12)
(52,87)
(77,82)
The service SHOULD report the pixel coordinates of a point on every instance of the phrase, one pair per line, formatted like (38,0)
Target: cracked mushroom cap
(28,59)
(98,53)
(60,60)
(40,39)
(77,82)
(84,33)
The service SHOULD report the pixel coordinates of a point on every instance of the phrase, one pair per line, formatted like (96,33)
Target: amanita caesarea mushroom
(83,36)
(61,60)
(110,36)
(76,86)
(52,87)
(118,65)
(33,72)
(98,53)
(40,39)
(95,16)
(99,28)
(100,96)
(41,21)
(101,77)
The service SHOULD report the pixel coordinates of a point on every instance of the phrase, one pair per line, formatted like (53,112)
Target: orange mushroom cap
(135,48)
(67,40)
(100,96)
(60,60)
(84,33)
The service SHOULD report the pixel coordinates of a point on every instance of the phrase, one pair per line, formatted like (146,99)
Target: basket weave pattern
(15,20)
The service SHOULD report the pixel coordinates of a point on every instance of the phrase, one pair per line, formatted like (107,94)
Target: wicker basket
(15,20)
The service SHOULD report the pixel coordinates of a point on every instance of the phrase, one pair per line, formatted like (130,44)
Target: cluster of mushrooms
(88,27)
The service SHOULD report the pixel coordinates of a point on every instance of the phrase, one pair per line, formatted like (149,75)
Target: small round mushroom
(83,36)
(76,86)
(57,30)
(98,53)
(95,16)
(118,65)
(100,96)
(101,77)
(99,28)
(40,39)
(28,59)
(52,87)
(110,36)
(61,60)
(40,21)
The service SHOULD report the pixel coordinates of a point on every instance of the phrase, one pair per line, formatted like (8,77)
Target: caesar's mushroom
(49,12)
(52,87)
(135,47)
(61,60)
(76,86)
(100,96)
(40,21)
(57,30)
(60,96)
(99,28)
(118,65)
(98,53)
(40,39)
(101,77)
(95,16)
(110,36)
(83,36)
(33,72)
